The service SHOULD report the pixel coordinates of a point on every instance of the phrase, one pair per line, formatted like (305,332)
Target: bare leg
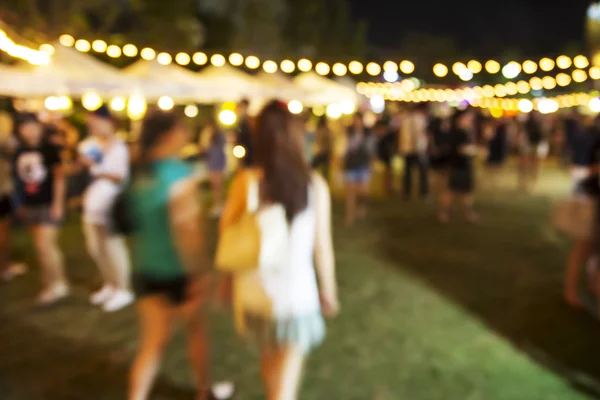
(118,260)
(364,190)
(45,240)
(283,372)
(446,201)
(351,200)
(95,240)
(198,349)
(579,254)
(155,320)
(467,201)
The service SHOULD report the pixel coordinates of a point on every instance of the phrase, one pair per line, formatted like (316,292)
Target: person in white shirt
(414,143)
(107,158)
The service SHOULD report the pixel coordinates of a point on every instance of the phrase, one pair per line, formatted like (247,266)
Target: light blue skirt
(306,332)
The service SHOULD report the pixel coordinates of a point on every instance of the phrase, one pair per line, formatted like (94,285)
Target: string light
(47,48)
(164,58)
(148,54)
(458,68)
(547,64)
(407,67)
(340,69)
(66,40)
(191,111)
(511,70)
(529,67)
(166,103)
(581,62)
(474,66)
(287,66)
(594,73)
(82,45)
(217,60)
(117,104)
(564,62)
(113,51)
(182,59)
(322,68)
(236,59)
(130,50)
(304,65)
(99,46)
(390,66)
(579,75)
(200,58)
(252,62)
(492,67)
(563,79)
(440,70)
(270,67)
(536,83)
(373,69)
(355,67)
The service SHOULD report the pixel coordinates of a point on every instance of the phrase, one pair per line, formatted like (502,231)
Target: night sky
(487,28)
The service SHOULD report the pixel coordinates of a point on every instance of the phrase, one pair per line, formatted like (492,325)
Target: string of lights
(465,71)
(32,56)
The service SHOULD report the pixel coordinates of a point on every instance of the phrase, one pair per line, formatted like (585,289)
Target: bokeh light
(581,62)
(164,58)
(130,50)
(355,67)
(339,69)
(99,46)
(474,66)
(563,79)
(564,62)
(390,66)
(492,67)
(407,67)
(304,65)
(236,59)
(579,75)
(117,104)
(191,111)
(91,101)
(182,59)
(218,60)
(113,51)
(530,67)
(511,70)
(458,68)
(373,69)
(270,67)
(148,54)
(252,62)
(83,45)
(227,117)
(200,58)
(440,70)
(547,64)
(525,105)
(322,68)
(295,107)
(166,103)
(288,66)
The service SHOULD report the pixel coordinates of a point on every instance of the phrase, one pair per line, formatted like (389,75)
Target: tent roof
(283,86)
(229,84)
(323,91)
(157,80)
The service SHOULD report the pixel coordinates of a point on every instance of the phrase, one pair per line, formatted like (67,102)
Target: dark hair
(154,127)
(277,151)
(323,122)
(26,118)
(456,118)
(244,102)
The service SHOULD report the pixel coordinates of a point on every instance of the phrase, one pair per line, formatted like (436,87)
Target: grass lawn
(451,313)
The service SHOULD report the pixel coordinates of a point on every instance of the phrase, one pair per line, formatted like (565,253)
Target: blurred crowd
(281,167)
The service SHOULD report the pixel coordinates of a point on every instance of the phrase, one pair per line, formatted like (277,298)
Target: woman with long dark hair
(299,303)
(170,273)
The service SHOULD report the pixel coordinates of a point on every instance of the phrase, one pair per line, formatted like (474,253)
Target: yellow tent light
(47,48)
(492,67)
(148,54)
(530,67)
(547,64)
(136,107)
(304,65)
(322,68)
(66,40)
(579,75)
(200,58)
(500,90)
(191,111)
(113,51)
(99,46)
(287,66)
(217,60)
(166,103)
(373,69)
(239,152)
(252,62)
(295,107)
(117,104)
(83,45)
(339,69)
(270,67)
(536,83)
(581,62)
(407,67)
(183,59)
(440,70)
(525,106)
(548,83)
(236,59)
(390,66)
(52,103)
(355,67)
(563,79)
(564,62)
(130,50)
(91,101)
(474,66)
(164,58)
(594,73)
(227,118)
(458,68)
(511,88)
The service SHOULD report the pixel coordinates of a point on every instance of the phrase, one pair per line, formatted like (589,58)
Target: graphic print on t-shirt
(32,171)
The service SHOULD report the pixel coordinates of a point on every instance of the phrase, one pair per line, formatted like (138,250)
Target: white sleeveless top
(292,290)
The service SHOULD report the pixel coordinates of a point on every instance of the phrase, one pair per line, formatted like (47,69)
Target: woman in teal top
(169,276)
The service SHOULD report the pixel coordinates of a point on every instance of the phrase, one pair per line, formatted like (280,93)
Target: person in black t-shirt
(461,179)
(40,191)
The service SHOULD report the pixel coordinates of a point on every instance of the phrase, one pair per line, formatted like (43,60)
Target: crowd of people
(146,190)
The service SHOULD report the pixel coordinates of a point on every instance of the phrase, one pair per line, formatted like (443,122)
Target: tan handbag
(576,216)
(240,243)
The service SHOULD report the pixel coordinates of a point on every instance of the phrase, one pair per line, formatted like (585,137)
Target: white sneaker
(102,296)
(119,300)
(53,294)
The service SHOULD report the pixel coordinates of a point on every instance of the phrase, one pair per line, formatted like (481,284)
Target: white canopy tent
(283,87)
(220,84)
(70,72)
(323,91)
(156,80)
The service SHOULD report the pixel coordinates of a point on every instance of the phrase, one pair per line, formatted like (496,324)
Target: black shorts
(461,181)
(174,289)
(6,207)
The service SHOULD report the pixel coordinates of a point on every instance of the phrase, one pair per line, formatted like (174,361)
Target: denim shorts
(360,175)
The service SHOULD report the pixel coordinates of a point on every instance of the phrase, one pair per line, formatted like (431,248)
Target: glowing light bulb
(564,62)
(228,118)
(563,79)
(295,107)
(548,83)
(440,70)
(458,68)
(511,70)
(183,59)
(581,62)
(117,104)
(322,68)
(52,103)
(83,45)
(136,107)
(130,50)
(252,62)
(492,67)
(547,64)
(217,60)
(547,106)
(579,76)
(200,58)
(536,83)
(334,111)
(287,66)
(594,73)
(47,48)
(270,67)
(373,69)
(304,65)
(99,46)
(148,54)
(239,152)
(390,66)
(236,59)
(339,69)
(525,106)
(474,66)
(164,58)
(166,103)
(191,111)
(66,40)
(113,51)
(407,67)
(530,67)
(91,101)
(594,104)
(355,67)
